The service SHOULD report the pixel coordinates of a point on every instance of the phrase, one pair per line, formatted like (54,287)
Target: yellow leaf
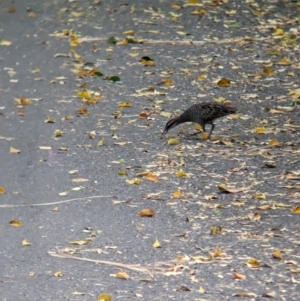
(167,82)
(173,141)
(210,197)
(277,254)
(201,290)
(278,32)
(134,54)
(16,223)
(104,297)
(274,142)
(147,212)
(297,210)
(26,243)
(260,130)
(5,43)
(284,61)
(134,181)
(165,114)
(181,173)
(49,120)
(224,82)
(80,242)
(101,142)
(125,104)
(245,294)
(122,172)
(253,262)
(84,94)
(156,244)
(82,111)
(129,32)
(78,14)
(216,230)
(177,195)
(74,41)
(2,190)
(147,61)
(58,133)
(122,275)
(201,78)
(260,196)
(268,71)
(58,274)
(23,101)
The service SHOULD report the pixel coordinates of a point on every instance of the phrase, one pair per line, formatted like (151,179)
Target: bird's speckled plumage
(202,113)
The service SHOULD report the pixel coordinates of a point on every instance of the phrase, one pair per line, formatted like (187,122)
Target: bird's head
(170,124)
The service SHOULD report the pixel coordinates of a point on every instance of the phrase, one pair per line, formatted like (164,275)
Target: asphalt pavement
(94,200)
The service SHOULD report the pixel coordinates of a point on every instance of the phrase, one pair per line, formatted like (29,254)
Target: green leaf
(115,78)
(112,40)
(98,73)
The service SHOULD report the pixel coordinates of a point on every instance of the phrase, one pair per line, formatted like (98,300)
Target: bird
(201,113)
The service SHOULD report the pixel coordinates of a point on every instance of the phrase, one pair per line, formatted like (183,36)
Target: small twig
(58,202)
(177,42)
(133,267)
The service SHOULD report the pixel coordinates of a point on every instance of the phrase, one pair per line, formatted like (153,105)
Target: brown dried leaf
(239,276)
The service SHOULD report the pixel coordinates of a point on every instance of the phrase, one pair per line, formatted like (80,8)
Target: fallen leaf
(147,212)
(274,142)
(76,180)
(245,294)
(147,61)
(122,275)
(58,274)
(80,242)
(125,104)
(101,142)
(239,276)
(26,243)
(156,244)
(181,173)
(104,297)
(16,223)
(173,141)
(14,150)
(177,195)
(122,172)
(165,114)
(277,254)
(297,210)
(2,190)
(225,188)
(143,115)
(224,82)
(260,130)
(152,177)
(216,230)
(134,181)
(82,111)
(269,295)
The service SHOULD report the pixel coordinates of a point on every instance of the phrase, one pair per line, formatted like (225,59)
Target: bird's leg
(194,134)
(212,128)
